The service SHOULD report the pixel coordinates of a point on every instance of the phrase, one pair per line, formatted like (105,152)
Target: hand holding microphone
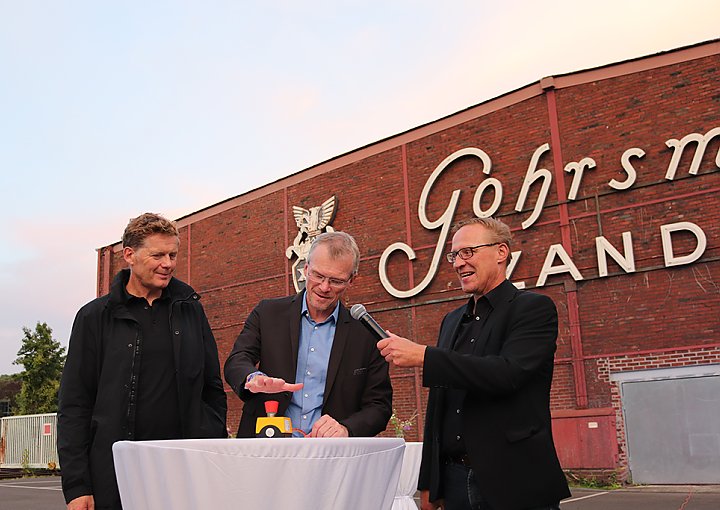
(395,349)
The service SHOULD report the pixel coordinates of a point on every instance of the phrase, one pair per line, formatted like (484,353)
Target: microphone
(359,313)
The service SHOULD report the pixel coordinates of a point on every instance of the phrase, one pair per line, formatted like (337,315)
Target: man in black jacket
(488,441)
(142,364)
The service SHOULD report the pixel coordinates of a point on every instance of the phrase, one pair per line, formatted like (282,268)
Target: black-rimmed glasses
(465,253)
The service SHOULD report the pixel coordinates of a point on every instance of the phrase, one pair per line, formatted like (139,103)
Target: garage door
(672,422)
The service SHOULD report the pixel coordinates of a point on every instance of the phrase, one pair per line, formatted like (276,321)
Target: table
(407,485)
(259,473)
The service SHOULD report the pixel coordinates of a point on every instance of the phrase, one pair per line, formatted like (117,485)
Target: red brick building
(609,179)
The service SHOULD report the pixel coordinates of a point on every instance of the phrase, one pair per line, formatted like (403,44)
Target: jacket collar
(177,290)
(503,293)
(500,294)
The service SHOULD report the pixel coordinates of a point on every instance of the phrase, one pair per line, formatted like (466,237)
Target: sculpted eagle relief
(311,223)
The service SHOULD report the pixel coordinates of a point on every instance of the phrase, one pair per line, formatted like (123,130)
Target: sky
(111,109)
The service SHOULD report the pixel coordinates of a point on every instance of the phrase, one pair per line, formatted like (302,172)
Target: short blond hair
(499,230)
(144,226)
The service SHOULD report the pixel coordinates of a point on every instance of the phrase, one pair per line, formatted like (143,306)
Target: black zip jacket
(99,386)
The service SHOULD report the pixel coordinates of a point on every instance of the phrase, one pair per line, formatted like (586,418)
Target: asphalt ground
(34,493)
(647,497)
(44,493)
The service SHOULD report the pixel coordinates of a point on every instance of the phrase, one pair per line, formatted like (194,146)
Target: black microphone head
(357,311)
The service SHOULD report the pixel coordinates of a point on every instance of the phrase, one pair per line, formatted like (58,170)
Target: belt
(463,460)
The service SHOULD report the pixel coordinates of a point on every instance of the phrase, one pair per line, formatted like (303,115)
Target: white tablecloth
(259,474)
(407,486)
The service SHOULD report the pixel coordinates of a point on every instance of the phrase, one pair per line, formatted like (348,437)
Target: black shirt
(157,410)
(471,324)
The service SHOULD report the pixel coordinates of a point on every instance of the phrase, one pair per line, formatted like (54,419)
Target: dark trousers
(462,492)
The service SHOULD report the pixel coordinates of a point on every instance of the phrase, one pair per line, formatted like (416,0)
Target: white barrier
(29,441)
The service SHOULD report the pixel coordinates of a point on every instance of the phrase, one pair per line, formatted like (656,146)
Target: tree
(43,359)
(10,385)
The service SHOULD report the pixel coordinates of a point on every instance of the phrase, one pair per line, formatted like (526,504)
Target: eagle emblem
(311,223)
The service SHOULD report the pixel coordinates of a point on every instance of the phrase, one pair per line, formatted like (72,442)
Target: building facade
(609,180)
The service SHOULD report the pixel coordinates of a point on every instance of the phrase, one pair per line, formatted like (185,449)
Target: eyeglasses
(465,253)
(318,278)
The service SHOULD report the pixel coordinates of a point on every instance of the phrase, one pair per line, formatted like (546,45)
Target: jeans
(462,492)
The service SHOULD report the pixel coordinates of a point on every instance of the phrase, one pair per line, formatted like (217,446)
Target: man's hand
(327,426)
(82,503)
(264,384)
(401,352)
(426,504)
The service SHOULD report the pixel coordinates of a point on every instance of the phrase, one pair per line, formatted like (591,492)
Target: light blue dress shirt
(316,341)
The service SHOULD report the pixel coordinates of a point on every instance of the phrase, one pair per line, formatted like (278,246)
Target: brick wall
(233,253)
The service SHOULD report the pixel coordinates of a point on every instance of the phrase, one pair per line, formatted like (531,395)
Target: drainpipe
(576,346)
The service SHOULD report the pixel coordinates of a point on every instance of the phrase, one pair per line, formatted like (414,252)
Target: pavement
(645,497)
(34,493)
(44,493)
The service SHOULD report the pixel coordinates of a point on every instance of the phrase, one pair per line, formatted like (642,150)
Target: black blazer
(358,392)
(506,413)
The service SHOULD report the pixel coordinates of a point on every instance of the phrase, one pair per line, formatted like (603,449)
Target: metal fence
(29,441)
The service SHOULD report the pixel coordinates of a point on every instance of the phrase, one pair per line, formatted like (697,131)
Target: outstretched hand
(264,384)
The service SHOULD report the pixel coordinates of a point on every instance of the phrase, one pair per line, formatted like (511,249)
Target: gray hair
(339,244)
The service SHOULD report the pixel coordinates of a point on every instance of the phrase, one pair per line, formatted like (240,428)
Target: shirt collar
(304,311)
(469,307)
(127,297)
(492,298)
(495,296)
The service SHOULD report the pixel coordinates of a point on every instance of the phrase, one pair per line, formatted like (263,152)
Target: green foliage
(8,379)
(400,427)
(43,359)
(9,390)
(604,481)
(25,463)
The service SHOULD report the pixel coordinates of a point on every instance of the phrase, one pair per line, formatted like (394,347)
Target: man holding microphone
(488,440)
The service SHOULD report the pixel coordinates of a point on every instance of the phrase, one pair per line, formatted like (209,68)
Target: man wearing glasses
(306,352)
(488,441)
